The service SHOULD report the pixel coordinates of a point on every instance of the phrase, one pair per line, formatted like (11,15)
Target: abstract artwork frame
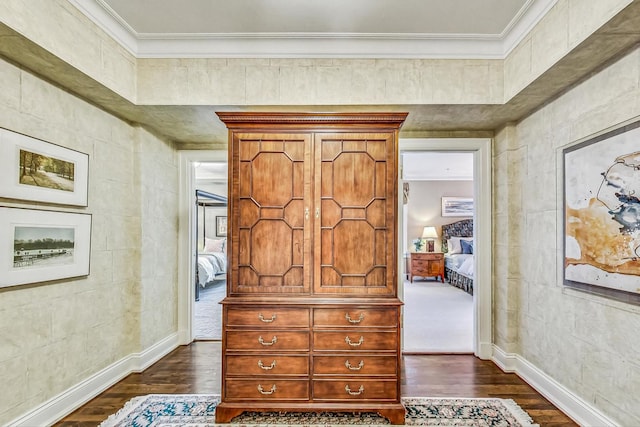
(41,246)
(221,226)
(601,214)
(35,170)
(457,206)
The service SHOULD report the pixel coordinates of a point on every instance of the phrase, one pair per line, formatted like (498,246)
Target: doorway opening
(438,310)
(446,199)
(210,267)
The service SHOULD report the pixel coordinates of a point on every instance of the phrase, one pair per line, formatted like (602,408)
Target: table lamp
(430,234)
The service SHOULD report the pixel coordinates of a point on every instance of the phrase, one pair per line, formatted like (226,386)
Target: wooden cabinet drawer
(423,257)
(355,389)
(367,317)
(272,317)
(267,364)
(355,340)
(267,340)
(419,263)
(266,389)
(355,365)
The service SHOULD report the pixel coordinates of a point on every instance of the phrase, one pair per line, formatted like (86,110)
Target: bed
(211,264)
(212,261)
(457,244)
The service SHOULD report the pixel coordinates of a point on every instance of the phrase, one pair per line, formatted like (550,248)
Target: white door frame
(482,295)
(187,235)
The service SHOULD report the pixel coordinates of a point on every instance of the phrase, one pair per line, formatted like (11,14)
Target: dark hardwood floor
(196,369)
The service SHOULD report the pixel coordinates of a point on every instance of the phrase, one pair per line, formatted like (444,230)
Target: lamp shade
(429,233)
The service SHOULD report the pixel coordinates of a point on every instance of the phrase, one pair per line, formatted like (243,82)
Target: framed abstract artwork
(36,170)
(457,206)
(602,214)
(40,246)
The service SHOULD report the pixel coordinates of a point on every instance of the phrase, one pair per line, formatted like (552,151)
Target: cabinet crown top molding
(251,119)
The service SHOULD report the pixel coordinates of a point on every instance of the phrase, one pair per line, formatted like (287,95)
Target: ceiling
(435,166)
(488,17)
(312,28)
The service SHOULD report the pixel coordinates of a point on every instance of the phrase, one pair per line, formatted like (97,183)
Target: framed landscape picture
(40,246)
(457,206)
(36,170)
(602,214)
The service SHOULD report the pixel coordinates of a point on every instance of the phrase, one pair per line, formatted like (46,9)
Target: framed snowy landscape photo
(602,214)
(36,170)
(40,246)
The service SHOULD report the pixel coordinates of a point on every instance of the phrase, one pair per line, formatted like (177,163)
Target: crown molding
(522,24)
(315,45)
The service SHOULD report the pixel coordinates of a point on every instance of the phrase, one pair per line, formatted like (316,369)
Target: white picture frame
(457,206)
(40,246)
(35,170)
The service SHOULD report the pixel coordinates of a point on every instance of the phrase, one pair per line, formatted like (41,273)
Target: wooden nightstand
(427,264)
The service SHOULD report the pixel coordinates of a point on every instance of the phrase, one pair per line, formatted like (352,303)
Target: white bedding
(461,263)
(210,265)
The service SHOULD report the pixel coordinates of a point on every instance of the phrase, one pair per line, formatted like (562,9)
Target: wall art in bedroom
(457,206)
(221,226)
(36,170)
(41,246)
(602,214)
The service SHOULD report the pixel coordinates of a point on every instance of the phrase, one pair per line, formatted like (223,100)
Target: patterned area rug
(197,410)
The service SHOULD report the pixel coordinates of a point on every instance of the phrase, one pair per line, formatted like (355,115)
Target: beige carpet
(438,318)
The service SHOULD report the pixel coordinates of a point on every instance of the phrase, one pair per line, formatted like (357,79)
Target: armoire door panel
(356,233)
(274,241)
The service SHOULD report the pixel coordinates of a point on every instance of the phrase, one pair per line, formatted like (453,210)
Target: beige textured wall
(55,335)
(158,186)
(509,170)
(588,344)
(565,26)
(319,81)
(63,30)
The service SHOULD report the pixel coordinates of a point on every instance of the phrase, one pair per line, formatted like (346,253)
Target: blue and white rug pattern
(198,410)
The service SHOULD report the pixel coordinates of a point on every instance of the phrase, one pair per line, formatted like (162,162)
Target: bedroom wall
(425,206)
(587,343)
(56,335)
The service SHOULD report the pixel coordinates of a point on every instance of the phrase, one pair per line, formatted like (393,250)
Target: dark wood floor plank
(196,369)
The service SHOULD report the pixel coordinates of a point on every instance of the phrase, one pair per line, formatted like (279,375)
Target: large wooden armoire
(311,321)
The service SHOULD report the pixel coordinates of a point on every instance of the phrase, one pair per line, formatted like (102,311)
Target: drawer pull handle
(262,391)
(354,368)
(263,342)
(262,318)
(306,213)
(358,320)
(354,344)
(353,393)
(266,368)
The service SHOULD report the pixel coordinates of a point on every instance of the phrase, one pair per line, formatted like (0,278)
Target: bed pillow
(454,246)
(213,245)
(467,246)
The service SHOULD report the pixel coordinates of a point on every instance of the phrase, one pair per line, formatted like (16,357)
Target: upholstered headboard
(462,228)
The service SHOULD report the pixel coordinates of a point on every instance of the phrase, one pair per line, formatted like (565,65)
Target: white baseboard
(66,402)
(485,350)
(575,407)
